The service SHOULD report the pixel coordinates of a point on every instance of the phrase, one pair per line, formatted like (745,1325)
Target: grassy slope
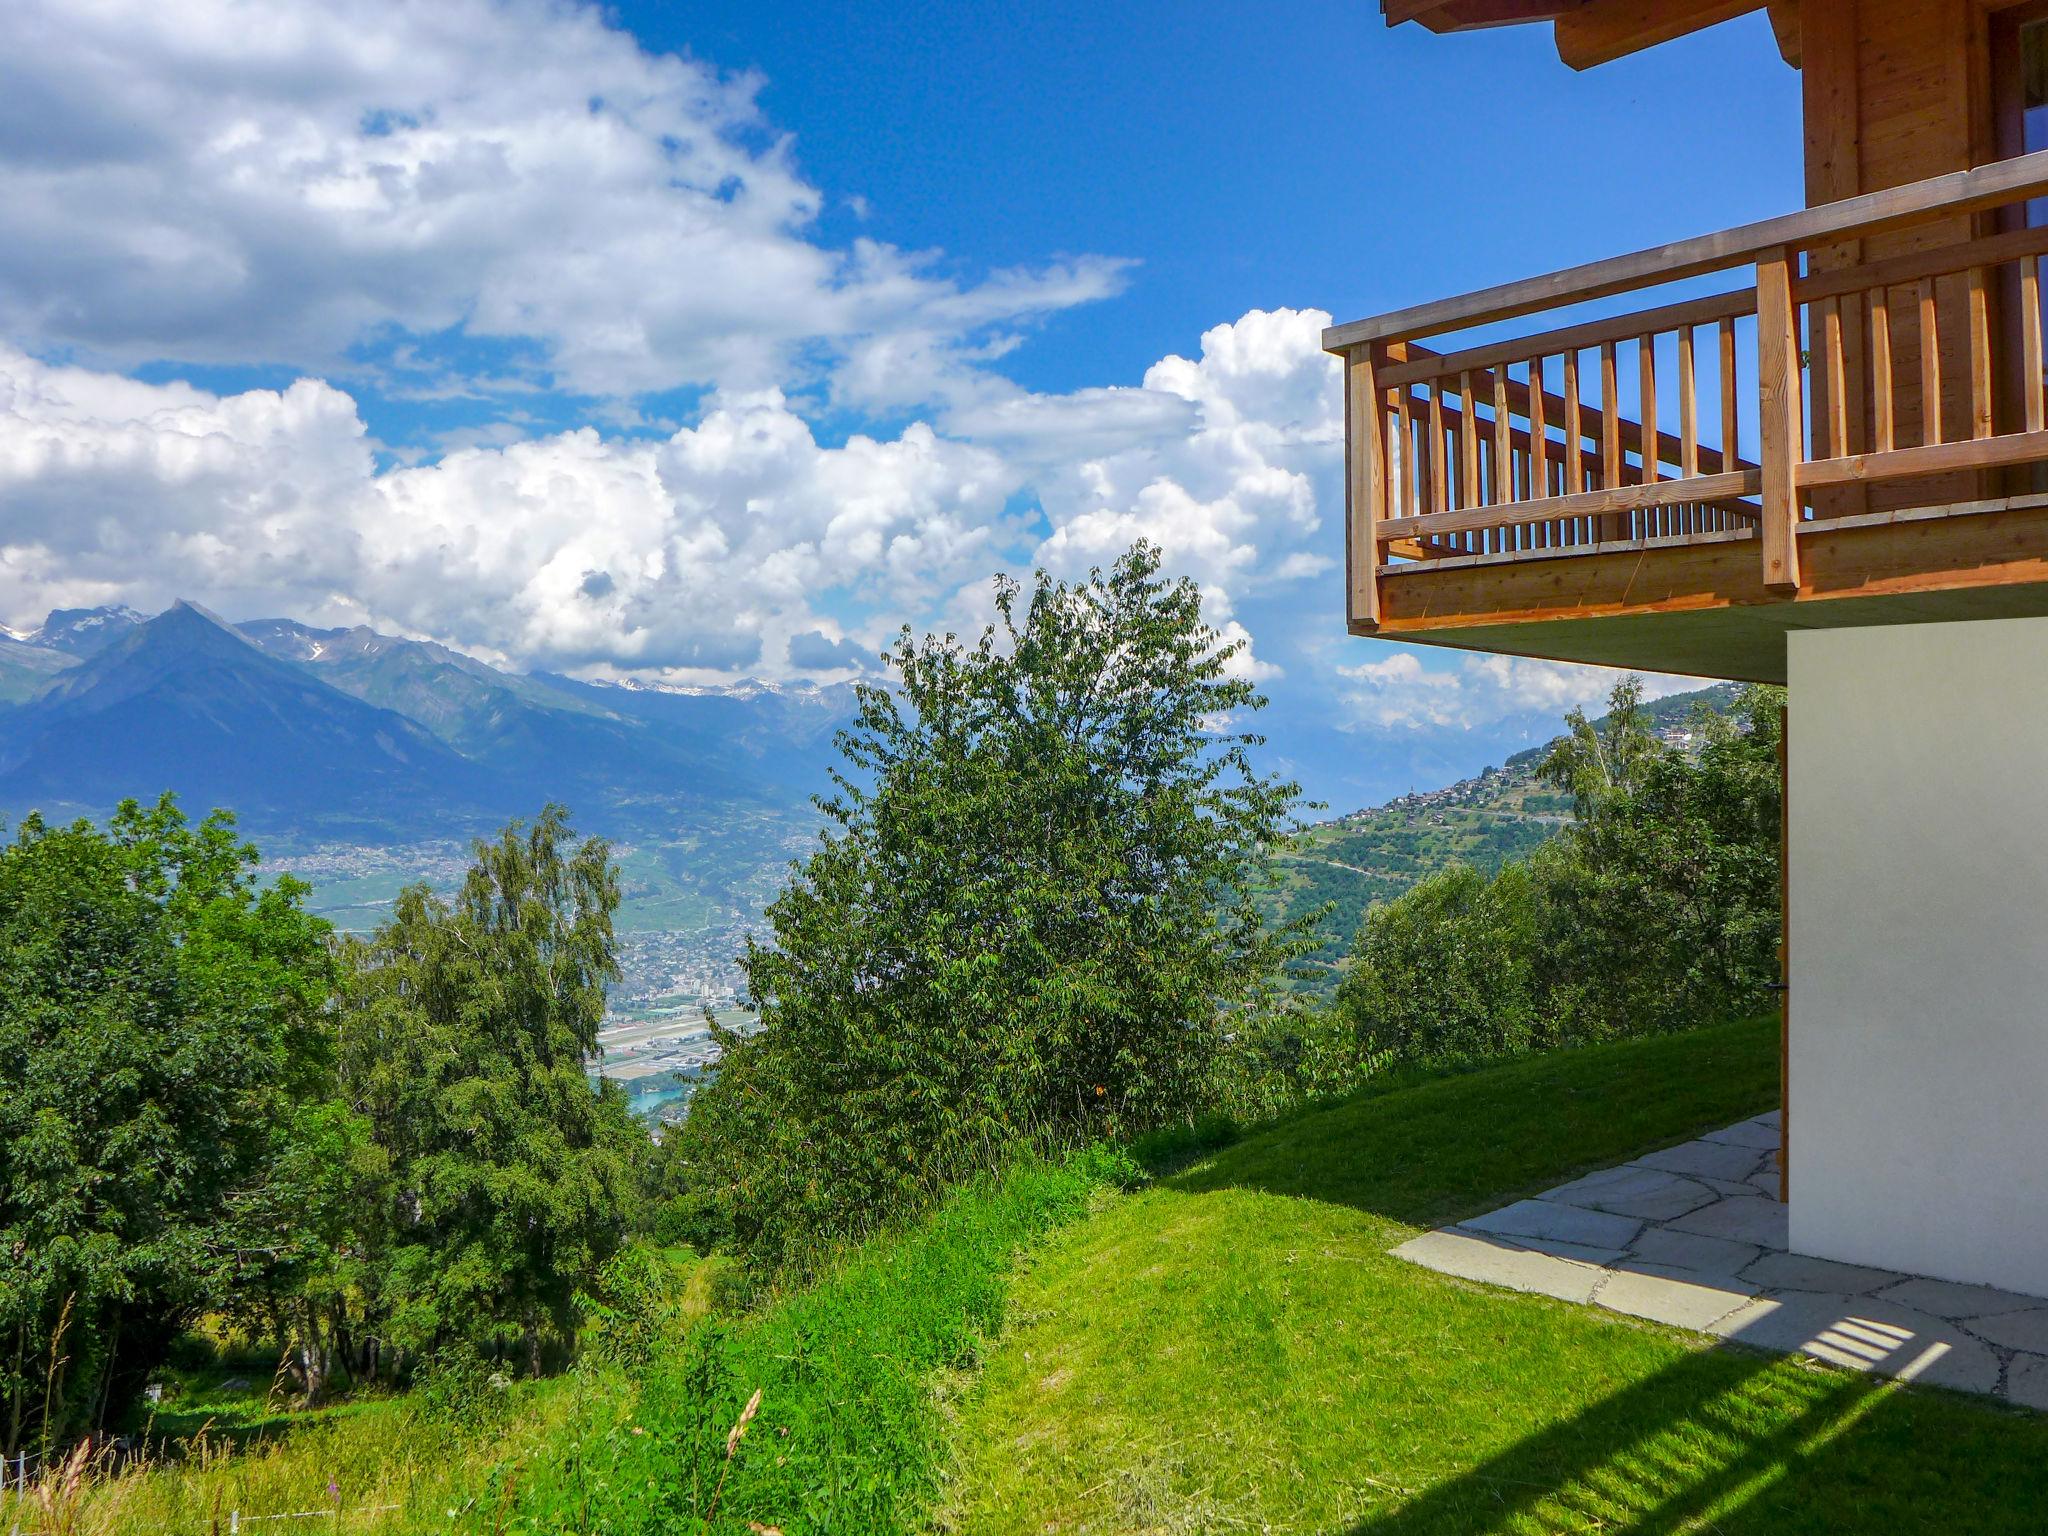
(1233,1349)
(851,1375)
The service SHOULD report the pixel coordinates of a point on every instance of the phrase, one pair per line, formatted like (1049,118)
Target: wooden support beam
(1603,30)
(1779,392)
(1457,15)
(1365,486)
(1787,25)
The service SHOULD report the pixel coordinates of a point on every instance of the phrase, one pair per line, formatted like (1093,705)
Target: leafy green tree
(302,1274)
(1447,972)
(1661,901)
(160,1016)
(507,1179)
(1032,911)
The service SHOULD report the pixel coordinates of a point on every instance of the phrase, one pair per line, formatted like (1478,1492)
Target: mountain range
(352,734)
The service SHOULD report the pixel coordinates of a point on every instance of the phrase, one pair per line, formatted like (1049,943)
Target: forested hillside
(1503,813)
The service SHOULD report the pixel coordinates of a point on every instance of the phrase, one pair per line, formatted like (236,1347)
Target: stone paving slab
(1717,1159)
(2026,1330)
(1715,1256)
(1759,1134)
(1946,1298)
(2026,1381)
(1568,1223)
(1648,1194)
(1860,1334)
(1761,1222)
(1735,1186)
(1694,1237)
(1777,1271)
(1501,1263)
(1557,1248)
(1668,1296)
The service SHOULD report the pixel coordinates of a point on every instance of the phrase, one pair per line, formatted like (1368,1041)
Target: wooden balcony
(1854,435)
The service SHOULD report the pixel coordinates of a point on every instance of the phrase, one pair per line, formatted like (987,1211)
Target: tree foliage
(1663,897)
(503,1178)
(1656,909)
(160,1015)
(1447,972)
(366,1151)
(1032,912)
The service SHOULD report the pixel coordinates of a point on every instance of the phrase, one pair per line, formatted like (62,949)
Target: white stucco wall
(1919,932)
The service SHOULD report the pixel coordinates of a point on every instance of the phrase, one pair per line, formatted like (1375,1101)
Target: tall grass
(821,1408)
(846,1381)
(382,1468)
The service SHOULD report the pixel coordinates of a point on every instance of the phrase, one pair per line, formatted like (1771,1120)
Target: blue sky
(716,340)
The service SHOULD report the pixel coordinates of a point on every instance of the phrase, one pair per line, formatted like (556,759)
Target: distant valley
(364,762)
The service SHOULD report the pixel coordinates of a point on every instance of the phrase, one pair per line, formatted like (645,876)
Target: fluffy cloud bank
(369,181)
(740,544)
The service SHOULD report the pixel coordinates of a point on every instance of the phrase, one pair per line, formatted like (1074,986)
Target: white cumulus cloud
(1394,690)
(263,181)
(706,553)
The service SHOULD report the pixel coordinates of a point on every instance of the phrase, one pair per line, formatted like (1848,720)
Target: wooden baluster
(1930,364)
(1483,470)
(1366,487)
(1646,348)
(1469,494)
(1884,434)
(1539,433)
(1688,408)
(1411,466)
(1610,421)
(2031,383)
(1651,518)
(1980,355)
(1731,420)
(1439,471)
(1574,439)
(1835,374)
(1613,525)
(1778,391)
(1503,440)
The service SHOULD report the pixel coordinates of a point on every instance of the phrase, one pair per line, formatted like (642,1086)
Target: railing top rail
(1918,202)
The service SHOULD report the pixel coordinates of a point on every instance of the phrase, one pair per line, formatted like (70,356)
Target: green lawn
(1233,1349)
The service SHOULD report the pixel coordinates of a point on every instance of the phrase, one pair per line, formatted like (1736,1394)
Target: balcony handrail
(1919,202)
(1453,453)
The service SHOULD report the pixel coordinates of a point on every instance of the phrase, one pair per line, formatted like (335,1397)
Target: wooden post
(1784,954)
(1365,486)
(1782,448)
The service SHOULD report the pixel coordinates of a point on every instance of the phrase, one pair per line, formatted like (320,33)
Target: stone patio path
(1694,1236)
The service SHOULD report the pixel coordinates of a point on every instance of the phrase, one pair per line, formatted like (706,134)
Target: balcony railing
(1749,414)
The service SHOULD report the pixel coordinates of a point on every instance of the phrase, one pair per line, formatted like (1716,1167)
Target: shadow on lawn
(1727,1440)
(1426,1151)
(1724,1439)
